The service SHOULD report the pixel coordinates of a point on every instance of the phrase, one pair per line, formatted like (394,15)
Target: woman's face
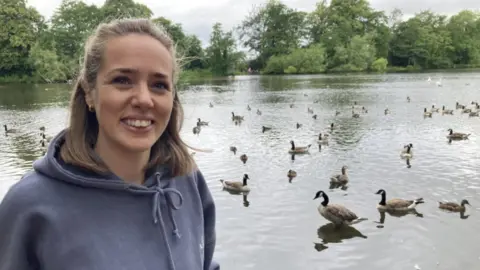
(133,98)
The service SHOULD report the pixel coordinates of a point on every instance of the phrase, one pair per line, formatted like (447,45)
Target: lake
(277,225)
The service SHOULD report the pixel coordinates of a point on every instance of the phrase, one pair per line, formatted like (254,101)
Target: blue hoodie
(60,217)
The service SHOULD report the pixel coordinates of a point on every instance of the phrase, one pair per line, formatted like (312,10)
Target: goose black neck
(244,181)
(325,199)
(344,171)
(320,136)
(293,145)
(383,201)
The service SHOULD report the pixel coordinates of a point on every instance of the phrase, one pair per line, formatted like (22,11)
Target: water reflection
(329,233)
(397,214)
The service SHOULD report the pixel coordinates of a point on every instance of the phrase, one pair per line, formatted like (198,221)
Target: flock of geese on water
(337,214)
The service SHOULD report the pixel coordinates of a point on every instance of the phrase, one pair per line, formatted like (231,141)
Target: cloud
(198,16)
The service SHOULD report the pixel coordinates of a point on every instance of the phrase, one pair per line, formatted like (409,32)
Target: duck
(196,130)
(236,117)
(407,151)
(342,178)
(337,214)
(236,186)
(445,111)
(457,135)
(244,158)
(396,204)
(299,149)
(452,206)
(322,139)
(355,115)
(264,128)
(233,149)
(435,109)
(426,113)
(9,130)
(259,112)
(291,174)
(201,123)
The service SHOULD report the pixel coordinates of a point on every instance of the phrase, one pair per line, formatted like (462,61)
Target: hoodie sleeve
(16,237)
(209,223)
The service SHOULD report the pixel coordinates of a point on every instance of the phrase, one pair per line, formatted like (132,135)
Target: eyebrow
(133,71)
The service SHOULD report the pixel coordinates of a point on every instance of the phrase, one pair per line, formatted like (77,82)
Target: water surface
(281,229)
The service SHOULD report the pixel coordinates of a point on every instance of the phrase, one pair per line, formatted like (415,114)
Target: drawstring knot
(167,193)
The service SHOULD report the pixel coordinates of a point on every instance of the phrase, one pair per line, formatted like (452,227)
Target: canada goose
(364,110)
(457,135)
(426,114)
(387,111)
(396,204)
(236,117)
(248,108)
(408,99)
(244,158)
(201,123)
(473,114)
(264,128)
(435,109)
(43,143)
(337,113)
(335,213)
(292,105)
(314,116)
(445,111)
(298,150)
(197,129)
(45,138)
(459,106)
(322,139)
(355,115)
(259,112)
(466,110)
(291,174)
(211,105)
(407,151)
(452,206)
(332,126)
(309,110)
(233,149)
(299,125)
(9,130)
(341,179)
(236,186)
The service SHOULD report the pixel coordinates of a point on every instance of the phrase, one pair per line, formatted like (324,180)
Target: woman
(117,189)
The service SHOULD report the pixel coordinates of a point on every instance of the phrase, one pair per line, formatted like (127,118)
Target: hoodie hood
(158,185)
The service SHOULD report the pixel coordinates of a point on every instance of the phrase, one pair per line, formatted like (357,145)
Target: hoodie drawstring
(157,213)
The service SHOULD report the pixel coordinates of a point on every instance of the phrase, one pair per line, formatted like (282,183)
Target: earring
(90,108)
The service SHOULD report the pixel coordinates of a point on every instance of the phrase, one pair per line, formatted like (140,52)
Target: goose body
(336,213)
(9,130)
(445,111)
(264,128)
(201,123)
(407,151)
(426,113)
(210,105)
(452,206)
(473,114)
(236,117)
(309,110)
(459,106)
(341,179)
(435,109)
(322,139)
(259,112)
(45,138)
(291,174)
(457,135)
(236,186)
(298,149)
(355,115)
(396,204)
(196,130)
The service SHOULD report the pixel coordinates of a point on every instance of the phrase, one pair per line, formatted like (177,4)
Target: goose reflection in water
(408,163)
(397,214)
(331,234)
(245,201)
(338,185)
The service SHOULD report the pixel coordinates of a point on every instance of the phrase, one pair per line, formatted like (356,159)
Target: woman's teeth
(138,123)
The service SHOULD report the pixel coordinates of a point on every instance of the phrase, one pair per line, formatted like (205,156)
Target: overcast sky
(198,16)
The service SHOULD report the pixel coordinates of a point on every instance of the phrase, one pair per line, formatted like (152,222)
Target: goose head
(380,192)
(319,194)
(464,202)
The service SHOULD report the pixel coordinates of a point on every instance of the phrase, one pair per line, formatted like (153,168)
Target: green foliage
(337,36)
(379,65)
(301,61)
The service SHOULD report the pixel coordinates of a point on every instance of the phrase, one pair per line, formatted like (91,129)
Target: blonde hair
(81,135)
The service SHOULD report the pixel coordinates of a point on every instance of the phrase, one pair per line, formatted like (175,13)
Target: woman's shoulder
(29,191)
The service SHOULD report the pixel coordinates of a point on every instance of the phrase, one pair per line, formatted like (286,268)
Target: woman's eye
(121,80)
(160,86)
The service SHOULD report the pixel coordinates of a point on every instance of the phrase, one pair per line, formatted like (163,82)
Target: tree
(119,9)
(222,56)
